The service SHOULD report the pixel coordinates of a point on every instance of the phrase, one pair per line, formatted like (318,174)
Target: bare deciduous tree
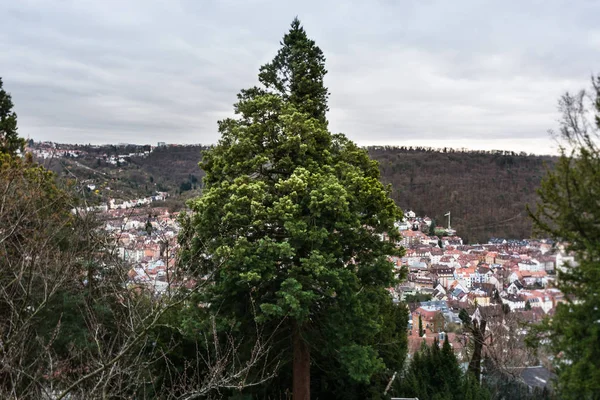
(71,327)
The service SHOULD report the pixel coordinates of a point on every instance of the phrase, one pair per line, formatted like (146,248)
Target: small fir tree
(10,142)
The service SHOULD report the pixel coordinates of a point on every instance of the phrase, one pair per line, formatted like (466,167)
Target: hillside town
(520,273)
(48,150)
(146,238)
(508,282)
(515,276)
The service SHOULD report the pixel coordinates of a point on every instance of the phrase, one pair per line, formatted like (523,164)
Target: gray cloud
(473,73)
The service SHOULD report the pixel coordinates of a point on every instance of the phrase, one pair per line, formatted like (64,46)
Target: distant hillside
(138,173)
(486,191)
(174,165)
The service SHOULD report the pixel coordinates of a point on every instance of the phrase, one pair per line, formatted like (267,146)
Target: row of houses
(147,241)
(517,273)
(114,204)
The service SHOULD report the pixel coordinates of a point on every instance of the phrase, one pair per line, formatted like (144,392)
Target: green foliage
(185,186)
(292,218)
(296,73)
(464,316)
(431,231)
(330,377)
(569,211)
(417,297)
(434,374)
(10,142)
(439,232)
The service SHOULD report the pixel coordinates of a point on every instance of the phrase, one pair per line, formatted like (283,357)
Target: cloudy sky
(466,73)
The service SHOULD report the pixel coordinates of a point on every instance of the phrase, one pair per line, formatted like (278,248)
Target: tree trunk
(478,339)
(301,367)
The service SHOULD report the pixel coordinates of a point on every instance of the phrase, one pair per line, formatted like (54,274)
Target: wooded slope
(486,192)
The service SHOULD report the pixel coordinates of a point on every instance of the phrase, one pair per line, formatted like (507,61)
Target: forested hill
(486,192)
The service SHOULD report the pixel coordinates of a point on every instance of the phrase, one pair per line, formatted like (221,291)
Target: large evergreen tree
(569,212)
(294,228)
(10,142)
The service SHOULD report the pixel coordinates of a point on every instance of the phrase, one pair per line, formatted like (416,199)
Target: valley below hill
(486,192)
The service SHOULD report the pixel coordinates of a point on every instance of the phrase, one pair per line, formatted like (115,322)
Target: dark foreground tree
(10,142)
(292,225)
(434,374)
(569,212)
(475,326)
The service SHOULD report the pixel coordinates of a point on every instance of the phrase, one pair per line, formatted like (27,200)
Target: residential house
(439,293)
(514,288)
(431,318)
(442,273)
(514,302)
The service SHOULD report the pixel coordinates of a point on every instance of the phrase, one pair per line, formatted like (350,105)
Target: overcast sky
(465,73)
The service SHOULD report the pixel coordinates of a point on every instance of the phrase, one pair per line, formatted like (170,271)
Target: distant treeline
(132,148)
(425,149)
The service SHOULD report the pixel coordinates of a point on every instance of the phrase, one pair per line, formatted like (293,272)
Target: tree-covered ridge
(486,191)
